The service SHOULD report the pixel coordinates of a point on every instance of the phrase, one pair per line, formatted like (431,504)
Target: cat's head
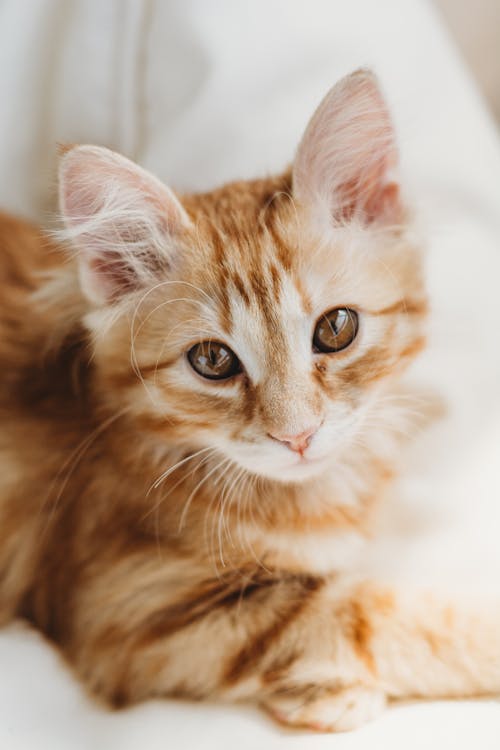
(262,319)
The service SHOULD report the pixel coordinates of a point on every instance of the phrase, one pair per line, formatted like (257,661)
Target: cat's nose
(299,442)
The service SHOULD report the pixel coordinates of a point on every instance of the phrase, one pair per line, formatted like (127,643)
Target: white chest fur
(317,551)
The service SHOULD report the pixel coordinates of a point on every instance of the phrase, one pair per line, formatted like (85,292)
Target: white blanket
(201,91)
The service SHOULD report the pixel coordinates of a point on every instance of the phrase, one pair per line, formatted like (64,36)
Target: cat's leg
(323,653)
(389,645)
(326,709)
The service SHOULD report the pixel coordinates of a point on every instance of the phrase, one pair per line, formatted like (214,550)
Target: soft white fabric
(201,92)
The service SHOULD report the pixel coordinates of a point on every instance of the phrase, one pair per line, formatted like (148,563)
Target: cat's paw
(330,711)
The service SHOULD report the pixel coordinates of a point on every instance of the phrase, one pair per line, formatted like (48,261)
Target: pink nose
(298,443)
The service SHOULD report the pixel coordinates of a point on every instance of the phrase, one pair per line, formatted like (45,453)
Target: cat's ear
(122,221)
(345,167)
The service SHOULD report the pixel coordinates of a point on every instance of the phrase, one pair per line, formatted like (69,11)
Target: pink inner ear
(372,198)
(114,279)
(122,220)
(348,154)
(385,202)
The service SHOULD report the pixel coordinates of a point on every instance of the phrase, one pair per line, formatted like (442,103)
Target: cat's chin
(300,471)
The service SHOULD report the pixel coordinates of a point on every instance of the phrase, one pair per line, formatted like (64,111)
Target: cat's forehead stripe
(240,287)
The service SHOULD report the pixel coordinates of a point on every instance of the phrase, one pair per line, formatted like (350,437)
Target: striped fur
(149,524)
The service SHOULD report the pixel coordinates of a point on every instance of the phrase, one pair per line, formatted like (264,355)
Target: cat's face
(264,319)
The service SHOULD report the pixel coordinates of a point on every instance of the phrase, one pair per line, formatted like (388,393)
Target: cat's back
(22,257)
(40,419)
(25,253)
(40,344)
(21,250)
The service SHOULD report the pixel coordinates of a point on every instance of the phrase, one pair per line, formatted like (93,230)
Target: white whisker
(171,469)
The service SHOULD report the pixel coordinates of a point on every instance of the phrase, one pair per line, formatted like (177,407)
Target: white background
(206,90)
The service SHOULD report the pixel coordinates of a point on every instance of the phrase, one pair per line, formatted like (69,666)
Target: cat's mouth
(276,463)
(305,461)
(303,468)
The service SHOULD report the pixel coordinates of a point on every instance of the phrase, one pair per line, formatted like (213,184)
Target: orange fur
(148,523)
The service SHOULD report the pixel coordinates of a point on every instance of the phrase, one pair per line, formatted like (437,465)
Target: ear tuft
(346,162)
(122,220)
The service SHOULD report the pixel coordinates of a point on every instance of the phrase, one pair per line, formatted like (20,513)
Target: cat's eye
(213,360)
(336,329)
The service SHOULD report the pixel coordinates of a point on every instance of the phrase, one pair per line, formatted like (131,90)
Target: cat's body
(192,537)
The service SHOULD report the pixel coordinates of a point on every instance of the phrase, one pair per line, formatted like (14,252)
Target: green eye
(213,360)
(335,330)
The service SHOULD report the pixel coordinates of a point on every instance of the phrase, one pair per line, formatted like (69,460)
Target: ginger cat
(196,429)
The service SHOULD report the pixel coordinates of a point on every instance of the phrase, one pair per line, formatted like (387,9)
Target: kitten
(197,424)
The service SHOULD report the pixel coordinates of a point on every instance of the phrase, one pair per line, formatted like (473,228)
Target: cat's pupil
(335,330)
(337,321)
(213,360)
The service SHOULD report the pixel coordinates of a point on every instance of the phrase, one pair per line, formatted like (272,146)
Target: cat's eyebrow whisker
(159,306)
(169,282)
(200,333)
(197,333)
(167,338)
(134,333)
(134,362)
